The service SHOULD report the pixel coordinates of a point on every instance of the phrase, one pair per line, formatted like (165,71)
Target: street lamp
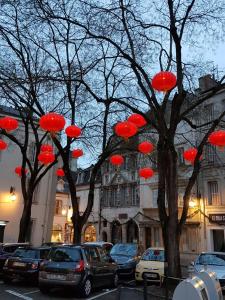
(12,195)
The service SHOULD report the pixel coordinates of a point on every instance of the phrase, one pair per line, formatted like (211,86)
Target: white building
(11,210)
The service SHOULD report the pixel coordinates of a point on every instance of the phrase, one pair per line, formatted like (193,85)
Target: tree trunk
(77,229)
(25,220)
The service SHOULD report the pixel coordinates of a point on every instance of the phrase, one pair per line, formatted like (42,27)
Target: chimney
(206,83)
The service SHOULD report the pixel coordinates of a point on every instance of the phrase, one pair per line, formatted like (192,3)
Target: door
(148,237)
(2,229)
(97,266)
(108,268)
(218,240)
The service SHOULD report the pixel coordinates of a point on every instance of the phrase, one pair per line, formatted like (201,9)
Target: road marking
(102,294)
(18,295)
(32,292)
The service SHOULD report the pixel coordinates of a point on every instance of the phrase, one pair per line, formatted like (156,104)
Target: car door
(108,269)
(97,267)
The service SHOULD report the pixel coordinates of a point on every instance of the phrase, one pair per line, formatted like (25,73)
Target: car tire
(44,289)
(86,288)
(7,280)
(115,280)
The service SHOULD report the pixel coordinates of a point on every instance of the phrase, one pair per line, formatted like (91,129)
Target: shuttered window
(213,193)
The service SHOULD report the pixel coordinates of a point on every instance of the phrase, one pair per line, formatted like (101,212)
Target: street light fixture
(12,195)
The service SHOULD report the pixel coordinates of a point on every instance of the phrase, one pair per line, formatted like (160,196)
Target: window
(58,207)
(210,153)
(209,113)
(156,236)
(154,198)
(180,152)
(213,193)
(56,233)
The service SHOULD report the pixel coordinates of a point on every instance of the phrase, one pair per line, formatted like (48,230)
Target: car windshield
(212,259)
(124,249)
(153,255)
(65,255)
(26,253)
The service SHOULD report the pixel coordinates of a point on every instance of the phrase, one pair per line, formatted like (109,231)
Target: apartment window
(180,152)
(58,207)
(210,153)
(209,113)
(154,198)
(213,193)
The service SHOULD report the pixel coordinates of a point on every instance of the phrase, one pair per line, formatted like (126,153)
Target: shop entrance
(218,240)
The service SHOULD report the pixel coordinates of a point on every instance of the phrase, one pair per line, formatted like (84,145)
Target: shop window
(56,233)
(90,234)
(58,207)
(213,193)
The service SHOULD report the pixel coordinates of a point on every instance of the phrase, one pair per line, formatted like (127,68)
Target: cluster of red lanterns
(73,131)
(164,81)
(52,122)
(190,155)
(217,138)
(146,173)
(19,170)
(46,157)
(145,147)
(46,148)
(9,124)
(76,153)
(3,145)
(60,172)
(116,160)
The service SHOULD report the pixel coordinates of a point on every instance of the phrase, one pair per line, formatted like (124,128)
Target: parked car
(126,256)
(106,246)
(24,264)
(7,250)
(151,265)
(78,267)
(214,261)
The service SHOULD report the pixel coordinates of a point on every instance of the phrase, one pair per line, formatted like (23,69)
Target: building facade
(11,199)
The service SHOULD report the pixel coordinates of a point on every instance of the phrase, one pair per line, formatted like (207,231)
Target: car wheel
(115,280)
(44,289)
(7,280)
(86,288)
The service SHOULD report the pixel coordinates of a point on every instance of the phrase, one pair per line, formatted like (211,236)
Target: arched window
(132,232)
(104,236)
(116,232)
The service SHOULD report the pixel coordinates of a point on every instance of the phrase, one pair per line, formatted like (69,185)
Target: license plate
(56,276)
(151,275)
(19,264)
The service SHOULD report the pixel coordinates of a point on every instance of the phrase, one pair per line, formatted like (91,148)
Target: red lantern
(19,170)
(46,158)
(60,173)
(73,131)
(77,153)
(46,148)
(145,147)
(190,155)
(217,138)
(138,120)
(125,129)
(164,81)
(52,122)
(146,173)
(3,145)
(9,124)
(116,160)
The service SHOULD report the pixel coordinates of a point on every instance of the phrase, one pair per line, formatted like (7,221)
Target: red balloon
(46,148)
(164,81)
(77,153)
(52,122)
(73,131)
(19,170)
(217,138)
(145,147)
(60,173)
(3,145)
(125,129)
(190,155)
(46,158)
(146,173)
(9,124)
(116,160)
(138,120)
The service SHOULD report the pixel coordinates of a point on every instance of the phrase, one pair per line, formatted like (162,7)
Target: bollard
(145,288)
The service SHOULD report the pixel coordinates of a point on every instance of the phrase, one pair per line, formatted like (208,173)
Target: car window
(65,255)
(27,253)
(44,253)
(10,249)
(211,259)
(153,255)
(124,249)
(107,248)
(92,254)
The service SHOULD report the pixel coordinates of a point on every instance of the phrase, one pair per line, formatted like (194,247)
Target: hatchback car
(78,267)
(126,256)
(106,246)
(213,261)
(24,264)
(151,265)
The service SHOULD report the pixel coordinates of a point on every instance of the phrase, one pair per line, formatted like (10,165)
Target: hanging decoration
(137,119)
(46,158)
(3,145)
(190,155)
(164,81)
(116,160)
(126,129)
(9,124)
(46,148)
(76,153)
(146,173)
(145,147)
(60,172)
(73,131)
(52,122)
(19,170)
(217,138)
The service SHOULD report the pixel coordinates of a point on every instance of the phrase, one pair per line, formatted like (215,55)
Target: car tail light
(34,266)
(80,266)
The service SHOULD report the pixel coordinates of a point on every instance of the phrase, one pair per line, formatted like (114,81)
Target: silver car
(213,261)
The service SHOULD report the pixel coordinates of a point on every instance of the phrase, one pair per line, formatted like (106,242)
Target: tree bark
(25,220)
